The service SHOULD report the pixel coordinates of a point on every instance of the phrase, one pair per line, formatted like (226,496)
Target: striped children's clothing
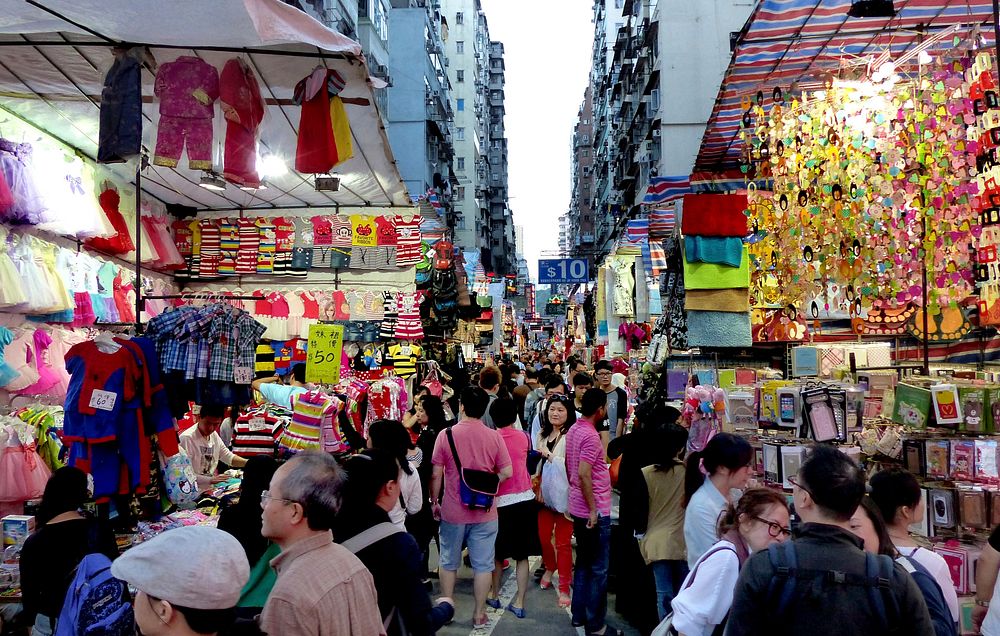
(266,249)
(256,434)
(407,240)
(246,256)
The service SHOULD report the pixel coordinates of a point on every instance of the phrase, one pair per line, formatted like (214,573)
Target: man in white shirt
(205,448)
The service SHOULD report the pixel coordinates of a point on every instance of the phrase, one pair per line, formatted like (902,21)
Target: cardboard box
(16,529)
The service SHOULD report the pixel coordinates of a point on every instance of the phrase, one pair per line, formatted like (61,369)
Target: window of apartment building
(460,192)
(618,4)
(459,76)
(460,132)
(586,153)
(496,177)
(495,160)
(460,45)
(460,163)
(459,18)
(460,104)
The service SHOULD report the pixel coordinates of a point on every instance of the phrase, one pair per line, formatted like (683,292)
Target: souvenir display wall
(874,183)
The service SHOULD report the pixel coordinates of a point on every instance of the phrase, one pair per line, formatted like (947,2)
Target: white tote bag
(555,485)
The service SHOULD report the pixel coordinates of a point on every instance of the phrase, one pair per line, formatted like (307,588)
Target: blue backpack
(96,603)
(937,607)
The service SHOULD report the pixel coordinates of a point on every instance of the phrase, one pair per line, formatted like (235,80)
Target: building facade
(581,210)
(649,112)
(419,116)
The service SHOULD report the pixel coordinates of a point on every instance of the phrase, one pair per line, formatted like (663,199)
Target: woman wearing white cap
(188,580)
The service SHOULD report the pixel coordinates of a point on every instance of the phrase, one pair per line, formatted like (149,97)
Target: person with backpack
(51,554)
(364,527)
(470,460)
(868,524)
(702,603)
(896,492)
(188,581)
(823,583)
(710,479)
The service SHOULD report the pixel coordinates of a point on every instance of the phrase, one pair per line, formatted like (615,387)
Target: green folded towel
(713,276)
(712,249)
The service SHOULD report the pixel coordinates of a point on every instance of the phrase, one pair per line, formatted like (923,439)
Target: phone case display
(818,415)
(947,406)
(912,406)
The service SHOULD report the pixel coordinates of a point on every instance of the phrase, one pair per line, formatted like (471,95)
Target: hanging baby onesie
(187,88)
(210,252)
(408,325)
(324,130)
(407,240)
(246,257)
(243,108)
(268,243)
(302,247)
(284,238)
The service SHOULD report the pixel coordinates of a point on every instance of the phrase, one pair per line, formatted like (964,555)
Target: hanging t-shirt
(284,238)
(365,231)
(343,232)
(246,256)
(385,228)
(404,358)
(268,244)
(322,231)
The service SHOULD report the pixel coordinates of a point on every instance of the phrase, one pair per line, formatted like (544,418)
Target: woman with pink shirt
(517,535)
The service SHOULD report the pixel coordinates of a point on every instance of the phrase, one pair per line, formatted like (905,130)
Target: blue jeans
(669,576)
(590,573)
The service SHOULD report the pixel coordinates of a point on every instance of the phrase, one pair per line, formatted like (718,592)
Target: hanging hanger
(106,343)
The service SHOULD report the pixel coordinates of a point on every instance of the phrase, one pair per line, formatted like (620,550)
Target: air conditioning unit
(654,100)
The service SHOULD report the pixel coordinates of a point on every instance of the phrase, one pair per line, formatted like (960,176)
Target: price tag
(326,342)
(103,400)
(258,424)
(243,375)
(406,350)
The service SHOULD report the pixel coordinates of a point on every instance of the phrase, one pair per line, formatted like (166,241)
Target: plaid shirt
(163,329)
(233,340)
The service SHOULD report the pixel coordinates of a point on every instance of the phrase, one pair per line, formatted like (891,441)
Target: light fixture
(271,166)
(327,183)
(212,181)
(872,9)
(262,186)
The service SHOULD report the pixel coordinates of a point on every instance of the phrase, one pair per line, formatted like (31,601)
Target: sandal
(493,602)
(516,611)
(546,582)
(480,624)
(565,600)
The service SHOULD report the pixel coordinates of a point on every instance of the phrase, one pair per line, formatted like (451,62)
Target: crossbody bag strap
(372,535)
(454,451)
(694,573)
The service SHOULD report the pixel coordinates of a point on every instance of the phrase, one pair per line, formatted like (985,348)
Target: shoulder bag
(477,488)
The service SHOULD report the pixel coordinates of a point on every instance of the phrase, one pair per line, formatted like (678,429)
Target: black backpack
(937,607)
(877,579)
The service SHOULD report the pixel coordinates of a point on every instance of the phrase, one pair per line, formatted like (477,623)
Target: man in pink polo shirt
(590,507)
(478,448)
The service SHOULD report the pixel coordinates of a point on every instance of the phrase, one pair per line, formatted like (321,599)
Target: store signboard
(323,358)
(563,270)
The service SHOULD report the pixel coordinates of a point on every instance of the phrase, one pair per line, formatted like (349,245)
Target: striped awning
(787,43)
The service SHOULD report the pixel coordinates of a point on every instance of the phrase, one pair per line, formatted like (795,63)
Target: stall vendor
(205,448)
(283,394)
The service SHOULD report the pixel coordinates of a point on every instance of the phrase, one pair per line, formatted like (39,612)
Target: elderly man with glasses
(322,588)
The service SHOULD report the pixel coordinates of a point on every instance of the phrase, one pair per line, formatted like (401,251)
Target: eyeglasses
(603,374)
(774,528)
(266,496)
(797,484)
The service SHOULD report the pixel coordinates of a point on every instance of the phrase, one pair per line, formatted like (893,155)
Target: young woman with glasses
(758,519)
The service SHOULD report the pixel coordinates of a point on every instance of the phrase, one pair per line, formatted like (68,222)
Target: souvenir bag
(477,488)
(179,479)
(304,432)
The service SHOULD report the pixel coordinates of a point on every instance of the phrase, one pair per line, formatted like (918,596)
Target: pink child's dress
(22,472)
(48,377)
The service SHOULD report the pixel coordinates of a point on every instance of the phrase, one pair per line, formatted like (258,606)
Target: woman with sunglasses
(557,416)
(758,519)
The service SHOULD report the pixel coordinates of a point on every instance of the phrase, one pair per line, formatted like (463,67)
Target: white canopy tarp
(53,62)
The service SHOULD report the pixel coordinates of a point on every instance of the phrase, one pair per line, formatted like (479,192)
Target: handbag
(179,479)
(433,382)
(477,488)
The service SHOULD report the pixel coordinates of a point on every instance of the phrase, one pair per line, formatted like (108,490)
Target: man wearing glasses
(322,588)
(823,583)
(617,399)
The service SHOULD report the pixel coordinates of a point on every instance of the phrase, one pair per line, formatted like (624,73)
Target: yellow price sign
(323,362)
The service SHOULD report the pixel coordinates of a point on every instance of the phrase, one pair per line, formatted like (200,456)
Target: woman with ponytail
(758,519)
(710,477)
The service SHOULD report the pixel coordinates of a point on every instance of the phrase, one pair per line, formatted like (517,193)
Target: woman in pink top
(517,512)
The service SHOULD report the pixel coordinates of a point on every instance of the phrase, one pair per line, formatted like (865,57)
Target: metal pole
(138,245)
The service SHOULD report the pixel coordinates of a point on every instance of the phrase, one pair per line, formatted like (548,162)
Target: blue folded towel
(718,329)
(711,249)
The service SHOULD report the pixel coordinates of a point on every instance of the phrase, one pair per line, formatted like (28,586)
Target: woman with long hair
(556,417)
(710,478)
(392,437)
(757,520)
(50,555)
(242,520)
(431,420)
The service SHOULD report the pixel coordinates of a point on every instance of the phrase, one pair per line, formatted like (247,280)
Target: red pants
(561,558)
(241,156)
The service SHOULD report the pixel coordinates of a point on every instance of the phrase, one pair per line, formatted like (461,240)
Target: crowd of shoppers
(317,545)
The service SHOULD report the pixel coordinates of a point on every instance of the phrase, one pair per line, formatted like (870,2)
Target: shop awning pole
(138,241)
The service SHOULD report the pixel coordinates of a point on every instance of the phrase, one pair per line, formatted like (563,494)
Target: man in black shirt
(390,554)
(828,590)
